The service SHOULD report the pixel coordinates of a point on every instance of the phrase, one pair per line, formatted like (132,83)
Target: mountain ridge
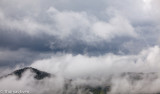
(39,75)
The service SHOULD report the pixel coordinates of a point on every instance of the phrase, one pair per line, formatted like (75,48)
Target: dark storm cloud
(14,40)
(20,48)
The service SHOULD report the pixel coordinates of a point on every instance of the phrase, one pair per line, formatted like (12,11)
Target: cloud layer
(83,65)
(93,71)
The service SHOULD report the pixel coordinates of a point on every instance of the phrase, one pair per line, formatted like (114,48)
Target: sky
(35,30)
(76,38)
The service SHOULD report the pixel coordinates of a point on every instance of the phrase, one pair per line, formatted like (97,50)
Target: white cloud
(92,71)
(67,24)
(83,65)
(89,27)
(117,26)
(148,84)
(95,71)
(28,83)
(155,10)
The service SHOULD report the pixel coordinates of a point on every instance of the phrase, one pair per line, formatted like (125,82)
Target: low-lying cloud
(83,65)
(107,70)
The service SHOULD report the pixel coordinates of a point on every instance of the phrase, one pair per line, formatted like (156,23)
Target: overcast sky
(32,30)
